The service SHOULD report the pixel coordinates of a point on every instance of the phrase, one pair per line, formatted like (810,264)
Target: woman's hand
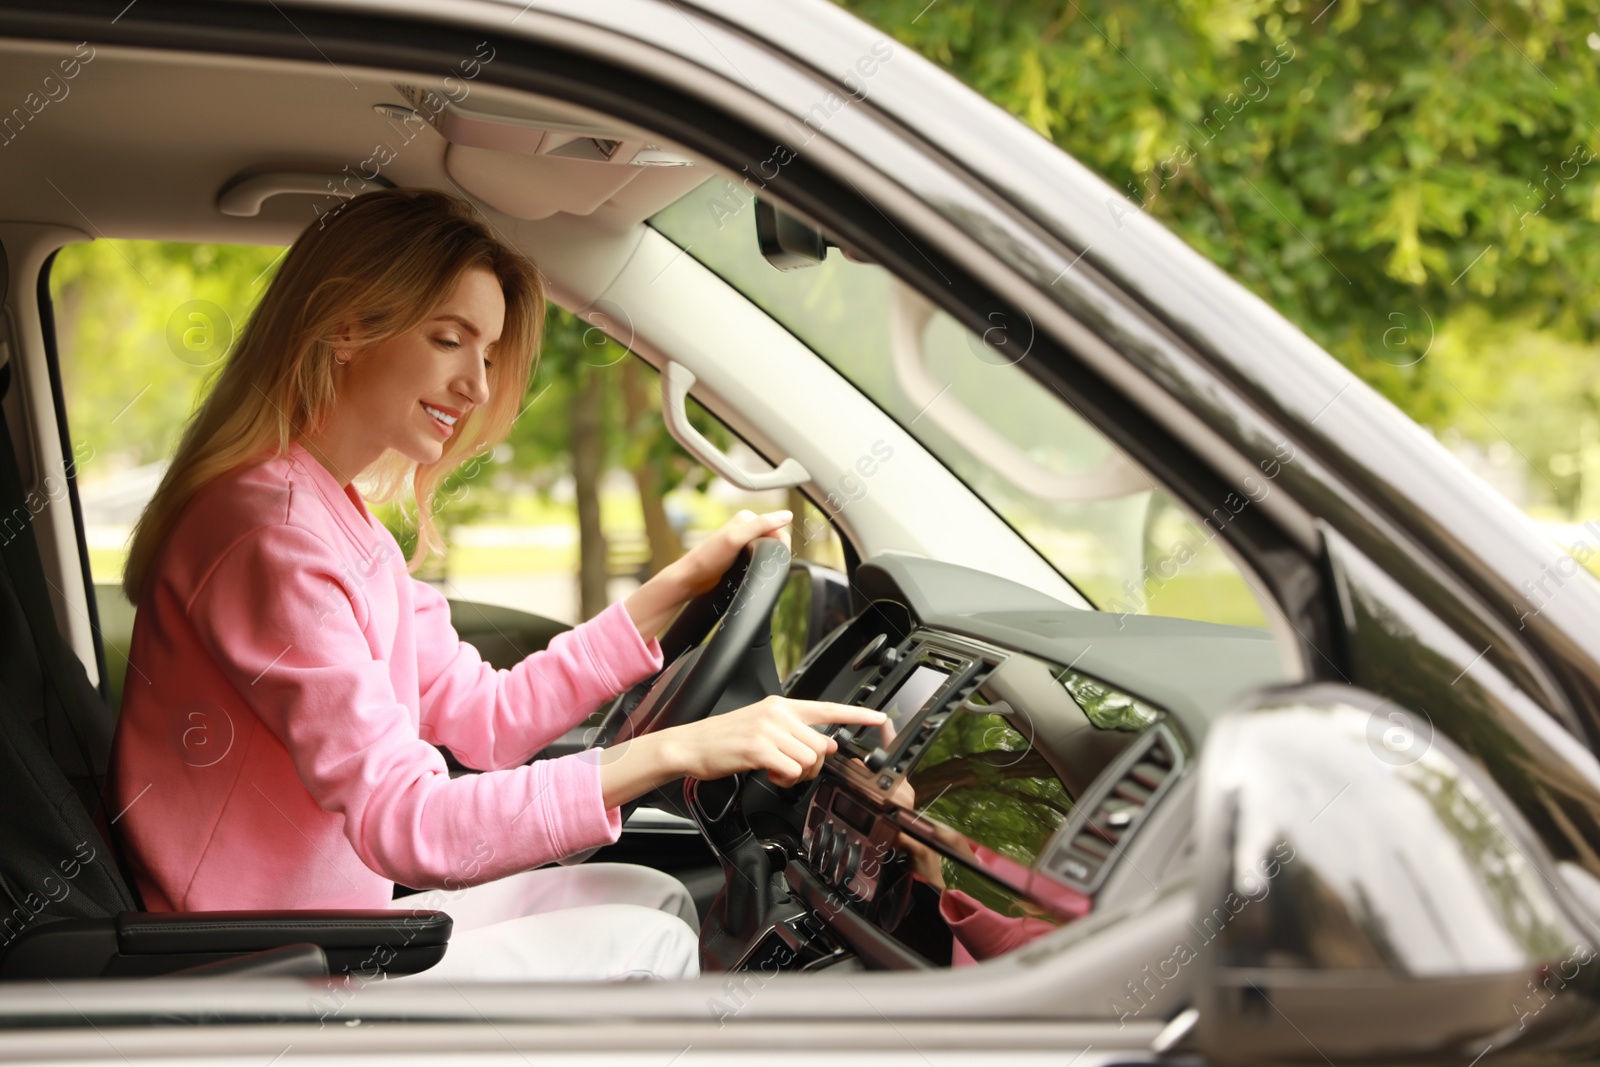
(699,569)
(773,735)
(925,860)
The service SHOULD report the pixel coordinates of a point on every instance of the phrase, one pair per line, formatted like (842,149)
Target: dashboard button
(876,759)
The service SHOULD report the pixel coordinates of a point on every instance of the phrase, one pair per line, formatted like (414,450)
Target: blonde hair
(377,266)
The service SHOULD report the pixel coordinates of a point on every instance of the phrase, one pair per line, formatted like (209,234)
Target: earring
(339,361)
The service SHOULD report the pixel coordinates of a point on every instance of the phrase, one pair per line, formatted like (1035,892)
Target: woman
(288,678)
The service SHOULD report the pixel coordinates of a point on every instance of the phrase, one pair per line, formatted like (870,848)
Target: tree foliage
(145,326)
(142,329)
(1417,186)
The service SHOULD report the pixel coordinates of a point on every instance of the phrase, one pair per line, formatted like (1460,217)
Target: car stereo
(1021,779)
(915,692)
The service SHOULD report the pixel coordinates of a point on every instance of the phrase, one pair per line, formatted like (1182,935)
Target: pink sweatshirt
(286,682)
(982,933)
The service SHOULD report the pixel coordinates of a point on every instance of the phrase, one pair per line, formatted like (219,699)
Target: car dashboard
(1016,767)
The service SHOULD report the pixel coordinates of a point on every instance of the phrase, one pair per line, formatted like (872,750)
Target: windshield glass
(1017,443)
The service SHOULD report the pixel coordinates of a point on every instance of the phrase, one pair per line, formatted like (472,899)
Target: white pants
(590,922)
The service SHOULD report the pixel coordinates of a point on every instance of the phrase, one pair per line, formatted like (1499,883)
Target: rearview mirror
(787,241)
(1367,890)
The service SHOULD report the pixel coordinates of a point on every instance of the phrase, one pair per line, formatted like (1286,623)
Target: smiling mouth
(442,421)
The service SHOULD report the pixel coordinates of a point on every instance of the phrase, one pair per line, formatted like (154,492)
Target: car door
(985,255)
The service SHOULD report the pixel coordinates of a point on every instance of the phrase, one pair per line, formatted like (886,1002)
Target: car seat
(70,910)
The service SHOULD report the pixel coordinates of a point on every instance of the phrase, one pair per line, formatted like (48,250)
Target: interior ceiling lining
(143,140)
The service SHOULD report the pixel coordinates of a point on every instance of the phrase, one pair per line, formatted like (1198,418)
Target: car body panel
(1214,381)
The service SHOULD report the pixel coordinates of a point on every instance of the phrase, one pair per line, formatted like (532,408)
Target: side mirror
(1366,890)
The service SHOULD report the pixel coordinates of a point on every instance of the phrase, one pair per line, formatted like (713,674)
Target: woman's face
(405,392)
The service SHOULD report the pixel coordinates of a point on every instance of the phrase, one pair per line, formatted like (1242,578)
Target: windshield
(1017,443)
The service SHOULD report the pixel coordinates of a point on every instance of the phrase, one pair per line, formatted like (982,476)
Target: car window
(143,326)
(1021,446)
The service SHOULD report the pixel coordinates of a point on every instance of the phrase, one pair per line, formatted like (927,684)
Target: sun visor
(532,161)
(534,187)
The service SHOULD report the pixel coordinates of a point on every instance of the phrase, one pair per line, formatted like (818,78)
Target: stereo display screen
(912,695)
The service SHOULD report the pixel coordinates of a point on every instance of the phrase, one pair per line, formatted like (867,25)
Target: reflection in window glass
(987,918)
(981,777)
(1020,445)
(1108,708)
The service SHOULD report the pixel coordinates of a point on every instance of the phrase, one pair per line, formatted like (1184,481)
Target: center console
(988,810)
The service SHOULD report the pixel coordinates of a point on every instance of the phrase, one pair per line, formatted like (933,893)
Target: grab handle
(675,385)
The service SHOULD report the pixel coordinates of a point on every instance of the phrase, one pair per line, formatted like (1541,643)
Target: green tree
(1393,177)
(142,328)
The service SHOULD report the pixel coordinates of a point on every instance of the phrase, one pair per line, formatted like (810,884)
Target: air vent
(1084,853)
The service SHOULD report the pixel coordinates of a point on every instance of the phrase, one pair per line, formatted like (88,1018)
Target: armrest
(290,961)
(147,943)
(155,932)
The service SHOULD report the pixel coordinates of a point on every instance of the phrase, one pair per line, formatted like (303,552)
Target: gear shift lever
(754,888)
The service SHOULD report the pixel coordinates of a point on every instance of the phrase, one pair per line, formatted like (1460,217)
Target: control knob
(822,843)
(849,864)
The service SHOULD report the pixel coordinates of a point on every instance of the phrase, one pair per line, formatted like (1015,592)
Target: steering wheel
(736,613)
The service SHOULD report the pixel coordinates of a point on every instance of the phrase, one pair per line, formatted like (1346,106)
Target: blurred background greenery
(1415,185)
(587,497)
